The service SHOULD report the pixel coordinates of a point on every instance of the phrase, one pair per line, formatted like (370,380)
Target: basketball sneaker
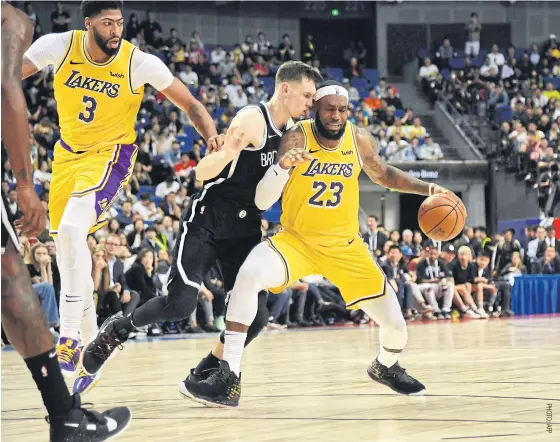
(221,389)
(204,369)
(103,347)
(84,383)
(81,425)
(68,352)
(396,378)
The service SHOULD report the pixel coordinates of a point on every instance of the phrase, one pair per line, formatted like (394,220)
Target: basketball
(442,217)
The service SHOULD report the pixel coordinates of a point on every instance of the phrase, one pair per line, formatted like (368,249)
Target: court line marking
(326,419)
(479,437)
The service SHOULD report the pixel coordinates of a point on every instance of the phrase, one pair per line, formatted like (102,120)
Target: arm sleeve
(48,50)
(271,186)
(148,69)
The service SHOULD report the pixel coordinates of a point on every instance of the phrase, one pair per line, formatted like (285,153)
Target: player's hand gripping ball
(442,216)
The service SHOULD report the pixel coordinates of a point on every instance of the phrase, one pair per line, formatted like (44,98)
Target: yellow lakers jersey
(96,104)
(321,200)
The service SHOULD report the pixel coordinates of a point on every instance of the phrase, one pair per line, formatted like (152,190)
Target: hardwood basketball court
(488,380)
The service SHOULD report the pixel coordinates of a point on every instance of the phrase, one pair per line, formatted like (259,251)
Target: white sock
(233,350)
(75,260)
(387,358)
(88,326)
(481,306)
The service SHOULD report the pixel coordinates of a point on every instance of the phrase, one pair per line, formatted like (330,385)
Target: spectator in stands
(13,203)
(189,77)
(549,241)
(140,276)
(173,39)
(506,248)
(353,93)
(550,92)
(473,28)
(432,279)
(504,283)
(372,100)
(489,71)
(483,284)
(374,238)
(395,148)
(167,186)
(396,275)
(464,274)
(466,239)
(308,49)
(430,151)
(353,70)
(445,53)
(496,57)
(550,262)
(107,300)
(286,49)
(39,265)
(392,99)
(416,130)
(125,217)
(133,27)
(149,26)
(60,19)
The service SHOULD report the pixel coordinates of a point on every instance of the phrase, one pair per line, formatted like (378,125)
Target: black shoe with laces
(103,347)
(83,425)
(221,389)
(396,378)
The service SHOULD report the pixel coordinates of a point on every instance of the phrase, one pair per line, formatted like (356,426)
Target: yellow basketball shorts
(103,172)
(348,266)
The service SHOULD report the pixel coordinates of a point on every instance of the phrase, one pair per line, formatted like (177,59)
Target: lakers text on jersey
(97,109)
(320,220)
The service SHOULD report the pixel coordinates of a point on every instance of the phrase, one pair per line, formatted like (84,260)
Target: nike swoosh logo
(350,242)
(111,424)
(76,62)
(313,151)
(271,136)
(275,172)
(52,355)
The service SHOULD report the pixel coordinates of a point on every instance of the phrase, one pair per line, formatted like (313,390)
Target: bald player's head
(331,109)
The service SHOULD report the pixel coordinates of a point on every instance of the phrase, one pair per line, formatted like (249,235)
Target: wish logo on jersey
(316,167)
(91,84)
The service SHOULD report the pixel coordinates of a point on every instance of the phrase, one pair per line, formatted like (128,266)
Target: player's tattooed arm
(16,37)
(199,117)
(292,146)
(382,173)
(290,154)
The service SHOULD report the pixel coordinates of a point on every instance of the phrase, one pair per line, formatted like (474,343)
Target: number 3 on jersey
(336,188)
(88,114)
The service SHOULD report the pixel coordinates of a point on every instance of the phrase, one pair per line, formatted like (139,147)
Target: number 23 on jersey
(326,195)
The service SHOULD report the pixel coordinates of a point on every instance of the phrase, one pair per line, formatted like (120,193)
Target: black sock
(47,375)
(207,363)
(125,323)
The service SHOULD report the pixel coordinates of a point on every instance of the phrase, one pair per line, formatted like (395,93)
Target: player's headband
(330,90)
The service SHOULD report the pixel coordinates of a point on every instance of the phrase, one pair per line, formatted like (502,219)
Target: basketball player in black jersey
(23,319)
(222,222)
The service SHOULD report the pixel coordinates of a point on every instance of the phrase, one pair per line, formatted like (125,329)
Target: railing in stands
(466,130)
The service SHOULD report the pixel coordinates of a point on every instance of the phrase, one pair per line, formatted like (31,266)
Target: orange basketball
(442,217)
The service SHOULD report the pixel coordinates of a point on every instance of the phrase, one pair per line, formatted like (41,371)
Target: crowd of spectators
(518,91)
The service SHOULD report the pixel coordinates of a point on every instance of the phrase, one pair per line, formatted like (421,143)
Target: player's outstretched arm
(290,154)
(199,117)
(386,175)
(247,127)
(16,37)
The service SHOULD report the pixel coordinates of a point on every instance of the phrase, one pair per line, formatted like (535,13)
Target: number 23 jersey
(321,201)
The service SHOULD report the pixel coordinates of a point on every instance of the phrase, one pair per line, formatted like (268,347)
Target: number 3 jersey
(97,103)
(321,200)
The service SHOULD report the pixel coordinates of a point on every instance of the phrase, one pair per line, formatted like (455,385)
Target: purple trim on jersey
(118,174)
(66,146)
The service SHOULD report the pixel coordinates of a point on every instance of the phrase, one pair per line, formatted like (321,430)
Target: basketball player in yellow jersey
(320,236)
(99,82)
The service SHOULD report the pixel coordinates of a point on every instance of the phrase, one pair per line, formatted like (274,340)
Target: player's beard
(326,133)
(103,43)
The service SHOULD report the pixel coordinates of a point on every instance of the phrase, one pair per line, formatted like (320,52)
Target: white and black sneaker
(83,425)
(396,378)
